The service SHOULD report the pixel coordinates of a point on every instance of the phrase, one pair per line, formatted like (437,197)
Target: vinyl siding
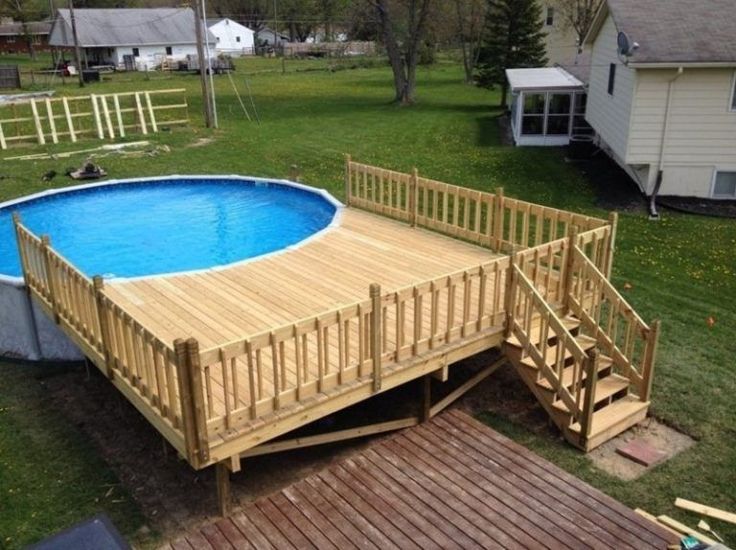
(560,38)
(608,114)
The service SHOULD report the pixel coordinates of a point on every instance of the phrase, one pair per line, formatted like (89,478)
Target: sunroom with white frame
(547,106)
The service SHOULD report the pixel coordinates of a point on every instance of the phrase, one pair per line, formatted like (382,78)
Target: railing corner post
(591,381)
(348,179)
(375,341)
(509,300)
(649,359)
(98,284)
(185,399)
(569,266)
(613,221)
(198,405)
(413,197)
(45,250)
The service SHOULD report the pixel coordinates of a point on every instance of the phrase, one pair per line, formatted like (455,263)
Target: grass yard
(681,269)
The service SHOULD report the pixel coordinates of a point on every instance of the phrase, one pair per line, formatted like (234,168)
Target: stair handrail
(589,288)
(566,342)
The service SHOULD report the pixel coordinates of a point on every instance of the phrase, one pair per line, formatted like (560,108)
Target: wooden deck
(332,270)
(449,483)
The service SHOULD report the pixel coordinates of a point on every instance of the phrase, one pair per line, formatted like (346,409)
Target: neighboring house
(231,37)
(14,36)
(667,112)
(269,37)
(126,37)
(561,40)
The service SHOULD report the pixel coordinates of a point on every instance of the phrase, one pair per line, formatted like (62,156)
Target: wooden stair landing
(451,482)
(614,409)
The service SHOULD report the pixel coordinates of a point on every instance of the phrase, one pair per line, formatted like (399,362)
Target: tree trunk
(504,95)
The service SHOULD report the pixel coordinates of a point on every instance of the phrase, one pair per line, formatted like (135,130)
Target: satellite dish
(625,46)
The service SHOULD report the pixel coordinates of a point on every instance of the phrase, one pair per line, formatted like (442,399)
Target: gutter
(653,214)
(683,65)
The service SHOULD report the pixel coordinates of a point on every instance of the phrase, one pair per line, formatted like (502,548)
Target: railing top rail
(580,255)
(577,351)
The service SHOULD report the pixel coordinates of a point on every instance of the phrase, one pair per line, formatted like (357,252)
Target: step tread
(605,388)
(569,322)
(604,362)
(612,414)
(586,342)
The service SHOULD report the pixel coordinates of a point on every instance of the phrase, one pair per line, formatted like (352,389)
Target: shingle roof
(125,27)
(678,31)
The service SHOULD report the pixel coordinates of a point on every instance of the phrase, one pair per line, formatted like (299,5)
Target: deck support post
(509,301)
(348,173)
(498,219)
(99,285)
(412,206)
(222,480)
(590,367)
(55,307)
(649,358)
(613,220)
(425,398)
(375,334)
(572,242)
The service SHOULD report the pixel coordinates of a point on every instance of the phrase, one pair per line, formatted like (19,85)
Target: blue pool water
(146,228)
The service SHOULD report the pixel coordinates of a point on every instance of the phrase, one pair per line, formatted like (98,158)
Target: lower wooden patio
(449,483)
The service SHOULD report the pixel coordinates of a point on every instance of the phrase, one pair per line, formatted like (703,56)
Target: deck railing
(558,262)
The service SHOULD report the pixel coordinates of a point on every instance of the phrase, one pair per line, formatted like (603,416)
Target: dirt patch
(717,208)
(201,142)
(613,187)
(658,435)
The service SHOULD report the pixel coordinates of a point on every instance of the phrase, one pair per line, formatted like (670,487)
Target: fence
(105,116)
(198,396)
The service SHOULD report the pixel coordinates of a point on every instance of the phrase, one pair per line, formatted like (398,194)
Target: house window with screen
(724,186)
(550,19)
(168,50)
(611,78)
(136,52)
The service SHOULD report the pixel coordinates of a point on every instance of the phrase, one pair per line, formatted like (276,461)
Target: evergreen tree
(513,38)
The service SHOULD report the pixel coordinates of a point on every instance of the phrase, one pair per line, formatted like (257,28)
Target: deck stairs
(584,391)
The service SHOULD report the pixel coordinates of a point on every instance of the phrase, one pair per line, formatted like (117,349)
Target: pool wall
(26,332)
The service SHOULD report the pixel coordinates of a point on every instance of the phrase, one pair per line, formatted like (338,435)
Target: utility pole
(202,64)
(52,15)
(209,65)
(77,50)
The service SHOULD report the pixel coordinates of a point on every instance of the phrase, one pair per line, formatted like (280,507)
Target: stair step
(604,362)
(612,416)
(605,388)
(569,322)
(585,342)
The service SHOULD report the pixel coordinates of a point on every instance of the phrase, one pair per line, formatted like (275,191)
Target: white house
(231,37)
(665,107)
(126,37)
(560,39)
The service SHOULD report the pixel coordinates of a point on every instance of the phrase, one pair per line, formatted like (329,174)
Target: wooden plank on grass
(705,510)
(670,522)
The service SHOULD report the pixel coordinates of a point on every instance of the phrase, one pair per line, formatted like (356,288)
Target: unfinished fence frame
(219,404)
(57,119)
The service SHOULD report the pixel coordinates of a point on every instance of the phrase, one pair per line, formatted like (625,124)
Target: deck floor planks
(429,487)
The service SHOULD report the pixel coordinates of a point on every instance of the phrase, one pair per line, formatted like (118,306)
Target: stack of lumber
(682,530)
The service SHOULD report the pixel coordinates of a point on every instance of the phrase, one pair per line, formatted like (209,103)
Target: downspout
(653,214)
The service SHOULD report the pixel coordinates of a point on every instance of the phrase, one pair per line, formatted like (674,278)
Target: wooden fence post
(375,341)
(53,294)
(613,220)
(198,406)
(99,284)
(348,178)
(509,301)
(185,400)
(498,221)
(649,359)
(413,205)
(590,367)
(569,266)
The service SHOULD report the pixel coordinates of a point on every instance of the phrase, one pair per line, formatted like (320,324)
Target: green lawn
(681,269)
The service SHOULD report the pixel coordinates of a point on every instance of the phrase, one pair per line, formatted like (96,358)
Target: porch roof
(545,78)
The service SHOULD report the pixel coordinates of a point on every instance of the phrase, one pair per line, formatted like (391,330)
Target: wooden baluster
(341,352)
(348,179)
(451,287)
(226,389)
(433,313)
(54,293)
(510,299)
(375,340)
(275,364)
(611,248)
(98,285)
(413,202)
(251,379)
(569,267)
(418,320)
(482,289)
(499,221)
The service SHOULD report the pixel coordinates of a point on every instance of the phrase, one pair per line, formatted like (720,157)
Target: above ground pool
(168,225)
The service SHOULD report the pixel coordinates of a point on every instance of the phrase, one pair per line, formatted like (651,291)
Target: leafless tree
(470,16)
(578,15)
(403,24)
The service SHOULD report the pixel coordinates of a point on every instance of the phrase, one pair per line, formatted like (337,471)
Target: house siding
(610,115)
(227,31)
(560,40)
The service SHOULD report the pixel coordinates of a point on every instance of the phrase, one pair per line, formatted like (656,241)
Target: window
(550,18)
(611,78)
(724,185)
(733,93)
(532,120)
(237,39)
(136,52)
(169,50)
